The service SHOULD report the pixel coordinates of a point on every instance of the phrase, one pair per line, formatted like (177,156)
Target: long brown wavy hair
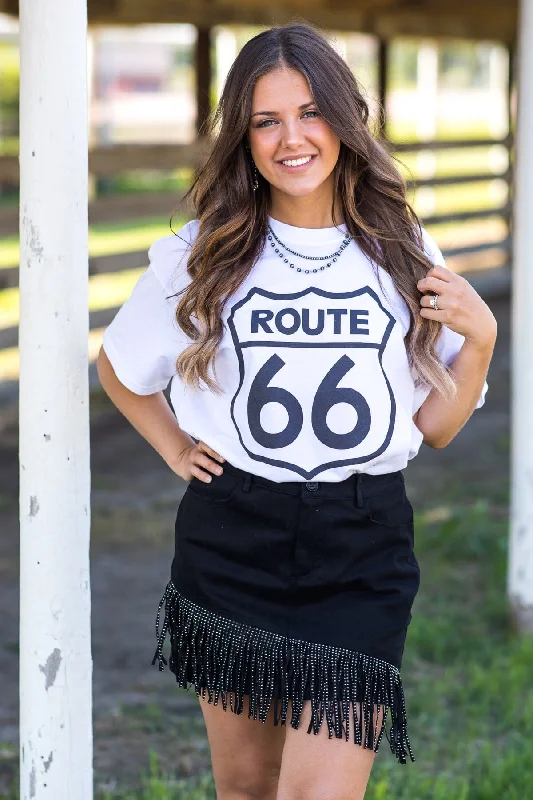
(233,218)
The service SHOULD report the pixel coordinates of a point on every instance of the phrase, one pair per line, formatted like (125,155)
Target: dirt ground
(134,502)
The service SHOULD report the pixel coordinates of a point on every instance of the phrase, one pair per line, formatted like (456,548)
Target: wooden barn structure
(55,664)
(476,19)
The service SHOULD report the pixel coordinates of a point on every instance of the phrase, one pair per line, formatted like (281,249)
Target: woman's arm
(152,417)
(461,309)
(440,420)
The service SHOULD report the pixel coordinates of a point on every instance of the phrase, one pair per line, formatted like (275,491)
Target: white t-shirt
(313,366)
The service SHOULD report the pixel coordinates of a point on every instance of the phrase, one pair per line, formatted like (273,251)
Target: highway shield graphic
(312,393)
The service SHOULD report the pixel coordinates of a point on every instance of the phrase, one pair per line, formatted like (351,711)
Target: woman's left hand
(459,306)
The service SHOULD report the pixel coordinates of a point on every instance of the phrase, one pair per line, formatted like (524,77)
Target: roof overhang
(474,19)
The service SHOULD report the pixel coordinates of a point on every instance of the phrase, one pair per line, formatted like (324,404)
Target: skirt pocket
(391,509)
(220,489)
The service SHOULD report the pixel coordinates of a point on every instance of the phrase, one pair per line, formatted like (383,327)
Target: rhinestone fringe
(225,656)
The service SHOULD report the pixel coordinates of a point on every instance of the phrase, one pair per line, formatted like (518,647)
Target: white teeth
(296,162)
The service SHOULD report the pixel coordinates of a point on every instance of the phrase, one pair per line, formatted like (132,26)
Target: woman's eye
(265,123)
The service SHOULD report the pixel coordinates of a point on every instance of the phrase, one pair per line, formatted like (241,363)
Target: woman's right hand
(153,418)
(198,461)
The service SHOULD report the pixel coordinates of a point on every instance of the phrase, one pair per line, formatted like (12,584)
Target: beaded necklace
(331,259)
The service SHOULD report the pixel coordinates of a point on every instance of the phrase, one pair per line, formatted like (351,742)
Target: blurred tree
(403,63)
(9,95)
(465,64)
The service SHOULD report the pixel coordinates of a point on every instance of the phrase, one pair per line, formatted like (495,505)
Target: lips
(298,164)
(296,161)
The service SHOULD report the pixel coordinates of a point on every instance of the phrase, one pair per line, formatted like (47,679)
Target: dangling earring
(255,176)
(255,182)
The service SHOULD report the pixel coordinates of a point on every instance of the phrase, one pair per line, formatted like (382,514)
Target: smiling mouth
(296,162)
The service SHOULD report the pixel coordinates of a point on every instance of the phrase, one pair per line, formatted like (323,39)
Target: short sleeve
(449,342)
(144,340)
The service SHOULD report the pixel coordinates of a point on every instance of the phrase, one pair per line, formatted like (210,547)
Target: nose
(292,135)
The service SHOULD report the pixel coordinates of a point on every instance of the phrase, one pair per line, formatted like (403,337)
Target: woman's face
(294,149)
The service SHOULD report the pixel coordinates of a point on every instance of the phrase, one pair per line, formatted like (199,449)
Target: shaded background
(449,112)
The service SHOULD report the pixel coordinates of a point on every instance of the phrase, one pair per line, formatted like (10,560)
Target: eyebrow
(275,113)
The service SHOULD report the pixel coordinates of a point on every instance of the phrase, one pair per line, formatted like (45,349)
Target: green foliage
(462,64)
(9,88)
(403,63)
(158,786)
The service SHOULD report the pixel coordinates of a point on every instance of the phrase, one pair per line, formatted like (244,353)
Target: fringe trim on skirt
(225,657)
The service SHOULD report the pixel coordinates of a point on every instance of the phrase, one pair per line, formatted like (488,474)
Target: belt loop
(247,482)
(358,490)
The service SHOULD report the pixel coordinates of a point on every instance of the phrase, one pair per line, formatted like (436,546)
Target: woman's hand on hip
(460,307)
(198,461)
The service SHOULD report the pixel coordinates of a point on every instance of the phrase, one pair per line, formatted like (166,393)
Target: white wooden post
(498,83)
(55,654)
(520,580)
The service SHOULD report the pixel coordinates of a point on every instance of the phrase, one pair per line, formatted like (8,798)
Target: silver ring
(434,301)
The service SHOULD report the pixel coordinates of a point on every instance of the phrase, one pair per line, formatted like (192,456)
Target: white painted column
(55,655)
(520,580)
(498,83)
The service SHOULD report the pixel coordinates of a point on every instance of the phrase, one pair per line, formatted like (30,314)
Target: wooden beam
(448,144)
(105,162)
(203,77)
(109,161)
(98,265)
(383,70)
(114,209)
(10,7)
(473,19)
(467,216)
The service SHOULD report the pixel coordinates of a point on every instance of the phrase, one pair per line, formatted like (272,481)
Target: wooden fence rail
(110,161)
(106,162)
(112,208)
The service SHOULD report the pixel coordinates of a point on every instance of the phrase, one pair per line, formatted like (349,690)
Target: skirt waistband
(360,484)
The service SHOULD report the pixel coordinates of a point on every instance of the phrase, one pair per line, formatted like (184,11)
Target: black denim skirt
(293,592)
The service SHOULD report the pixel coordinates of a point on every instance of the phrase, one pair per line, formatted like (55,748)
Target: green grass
(158,786)
(467,675)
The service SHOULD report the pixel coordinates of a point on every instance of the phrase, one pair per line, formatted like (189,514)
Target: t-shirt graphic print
(313,393)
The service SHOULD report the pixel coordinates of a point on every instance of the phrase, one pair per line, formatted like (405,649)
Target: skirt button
(311,487)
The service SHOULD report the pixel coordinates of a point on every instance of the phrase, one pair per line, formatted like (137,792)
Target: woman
(314,339)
